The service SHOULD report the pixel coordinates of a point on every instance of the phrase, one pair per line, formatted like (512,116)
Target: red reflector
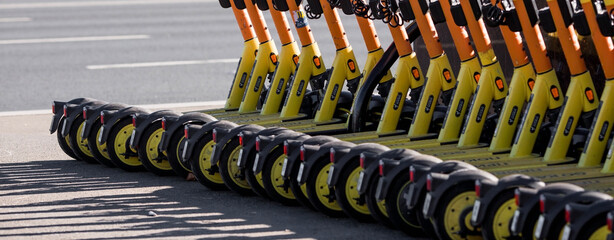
(332,155)
(102,117)
(567,213)
(53,107)
(478,185)
(302,155)
(258,144)
(241,139)
(134,120)
(164,124)
(84,113)
(381,168)
(214,135)
(185,132)
(65,114)
(429,181)
(285,148)
(610,220)
(517,196)
(542,203)
(412,171)
(362,160)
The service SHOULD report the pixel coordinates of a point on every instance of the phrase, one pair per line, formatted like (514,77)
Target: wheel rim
(601,233)
(351,192)
(259,179)
(277,180)
(82,142)
(322,189)
(120,146)
(500,223)
(178,152)
(102,148)
(453,213)
(151,148)
(234,171)
(205,164)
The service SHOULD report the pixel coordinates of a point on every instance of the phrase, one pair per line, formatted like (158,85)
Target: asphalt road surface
(130,51)
(46,195)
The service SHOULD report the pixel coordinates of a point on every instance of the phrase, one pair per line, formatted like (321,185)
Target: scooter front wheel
(99,151)
(79,144)
(272,180)
(154,160)
(206,173)
(318,191)
(233,175)
(118,144)
(346,191)
(64,142)
(173,154)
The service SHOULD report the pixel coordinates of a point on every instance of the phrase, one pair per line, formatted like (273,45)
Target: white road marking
(161,64)
(11,20)
(73,39)
(94,3)
(206,104)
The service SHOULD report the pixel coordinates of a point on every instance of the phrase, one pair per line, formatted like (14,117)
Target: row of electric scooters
(434,154)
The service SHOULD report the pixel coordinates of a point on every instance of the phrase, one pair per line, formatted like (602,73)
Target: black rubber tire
(201,172)
(64,142)
(252,178)
(174,151)
(318,171)
(74,143)
(342,199)
(226,158)
(92,141)
(396,208)
(372,202)
(148,163)
(493,207)
(301,197)
(438,217)
(116,157)
(556,227)
(269,186)
(591,226)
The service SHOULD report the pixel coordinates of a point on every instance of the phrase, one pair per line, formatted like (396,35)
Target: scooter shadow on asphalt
(73,199)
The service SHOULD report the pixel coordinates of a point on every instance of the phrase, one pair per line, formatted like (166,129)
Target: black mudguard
(268,145)
(555,206)
(393,169)
(57,108)
(74,111)
(528,201)
(294,146)
(489,190)
(421,169)
(372,165)
(225,135)
(174,124)
(321,154)
(197,132)
(249,143)
(344,155)
(111,117)
(143,121)
(581,215)
(442,183)
(93,114)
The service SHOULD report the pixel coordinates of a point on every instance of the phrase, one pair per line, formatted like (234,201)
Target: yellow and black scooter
(568,172)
